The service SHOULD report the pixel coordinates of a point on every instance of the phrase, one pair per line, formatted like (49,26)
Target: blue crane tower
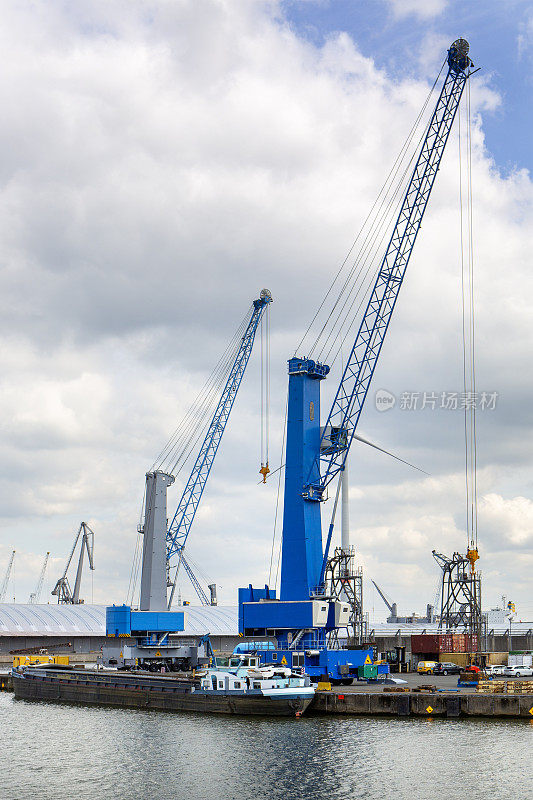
(303,616)
(152,625)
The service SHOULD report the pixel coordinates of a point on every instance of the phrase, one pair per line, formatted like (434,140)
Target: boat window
(253,662)
(257,685)
(214,681)
(234,662)
(221,684)
(274,656)
(237,685)
(222,662)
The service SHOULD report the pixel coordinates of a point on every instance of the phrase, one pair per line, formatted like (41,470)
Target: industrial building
(80,629)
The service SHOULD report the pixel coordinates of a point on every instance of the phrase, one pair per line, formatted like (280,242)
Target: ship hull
(158,694)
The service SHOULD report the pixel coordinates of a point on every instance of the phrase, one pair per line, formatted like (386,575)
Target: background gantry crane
(460,594)
(5,582)
(35,596)
(62,588)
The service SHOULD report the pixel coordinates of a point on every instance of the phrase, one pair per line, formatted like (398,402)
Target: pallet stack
(505,687)
(491,687)
(519,687)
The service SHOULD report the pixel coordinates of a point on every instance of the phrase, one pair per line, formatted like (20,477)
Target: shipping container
(461,659)
(497,659)
(435,643)
(426,643)
(520,660)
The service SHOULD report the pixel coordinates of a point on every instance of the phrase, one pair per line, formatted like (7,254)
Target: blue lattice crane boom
(349,400)
(183,519)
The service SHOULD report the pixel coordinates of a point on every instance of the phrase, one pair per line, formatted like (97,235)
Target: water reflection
(66,751)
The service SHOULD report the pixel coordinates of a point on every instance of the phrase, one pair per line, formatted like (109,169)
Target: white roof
(216,620)
(416,628)
(18,619)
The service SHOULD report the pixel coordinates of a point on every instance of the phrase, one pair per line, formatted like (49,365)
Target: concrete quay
(373,701)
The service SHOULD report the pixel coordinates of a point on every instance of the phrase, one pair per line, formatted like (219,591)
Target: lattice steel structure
(460,606)
(344,581)
(342,421)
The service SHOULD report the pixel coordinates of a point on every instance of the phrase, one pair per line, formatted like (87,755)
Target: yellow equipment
(472,555)
(25,661)
(264,472)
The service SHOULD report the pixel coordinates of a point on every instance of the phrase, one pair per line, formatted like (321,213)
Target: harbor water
(59,751)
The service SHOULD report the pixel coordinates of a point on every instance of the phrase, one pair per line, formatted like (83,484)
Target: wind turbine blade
(381,450)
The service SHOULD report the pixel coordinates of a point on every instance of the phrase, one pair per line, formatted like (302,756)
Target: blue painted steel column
(301,558)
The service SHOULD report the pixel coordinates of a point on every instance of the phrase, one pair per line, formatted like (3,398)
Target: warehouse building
(81,629)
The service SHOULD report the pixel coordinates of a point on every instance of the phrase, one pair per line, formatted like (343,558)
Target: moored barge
(214,692)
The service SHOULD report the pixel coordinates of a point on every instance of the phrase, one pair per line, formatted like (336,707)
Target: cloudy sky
(161,162)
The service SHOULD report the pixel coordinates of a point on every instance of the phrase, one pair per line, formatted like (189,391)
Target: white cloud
(525,35)
(509,522)
(156,173)
(424,9)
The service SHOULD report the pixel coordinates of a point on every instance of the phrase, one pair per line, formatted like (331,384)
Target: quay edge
(423,704)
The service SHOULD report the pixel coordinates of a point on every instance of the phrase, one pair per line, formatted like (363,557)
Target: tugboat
(240,687)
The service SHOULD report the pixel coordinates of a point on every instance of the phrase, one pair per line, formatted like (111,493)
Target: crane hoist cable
(175,454)
(379,217)
(279,471)
(369,254)
(368,259)
(183,440)
(468,333)
(265,392)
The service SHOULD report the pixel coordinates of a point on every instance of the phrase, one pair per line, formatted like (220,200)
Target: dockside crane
(36,595)
(460,593)
(163,542)
(303,617)
(5,582)
(62,588)
(410,618)
(393,607)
